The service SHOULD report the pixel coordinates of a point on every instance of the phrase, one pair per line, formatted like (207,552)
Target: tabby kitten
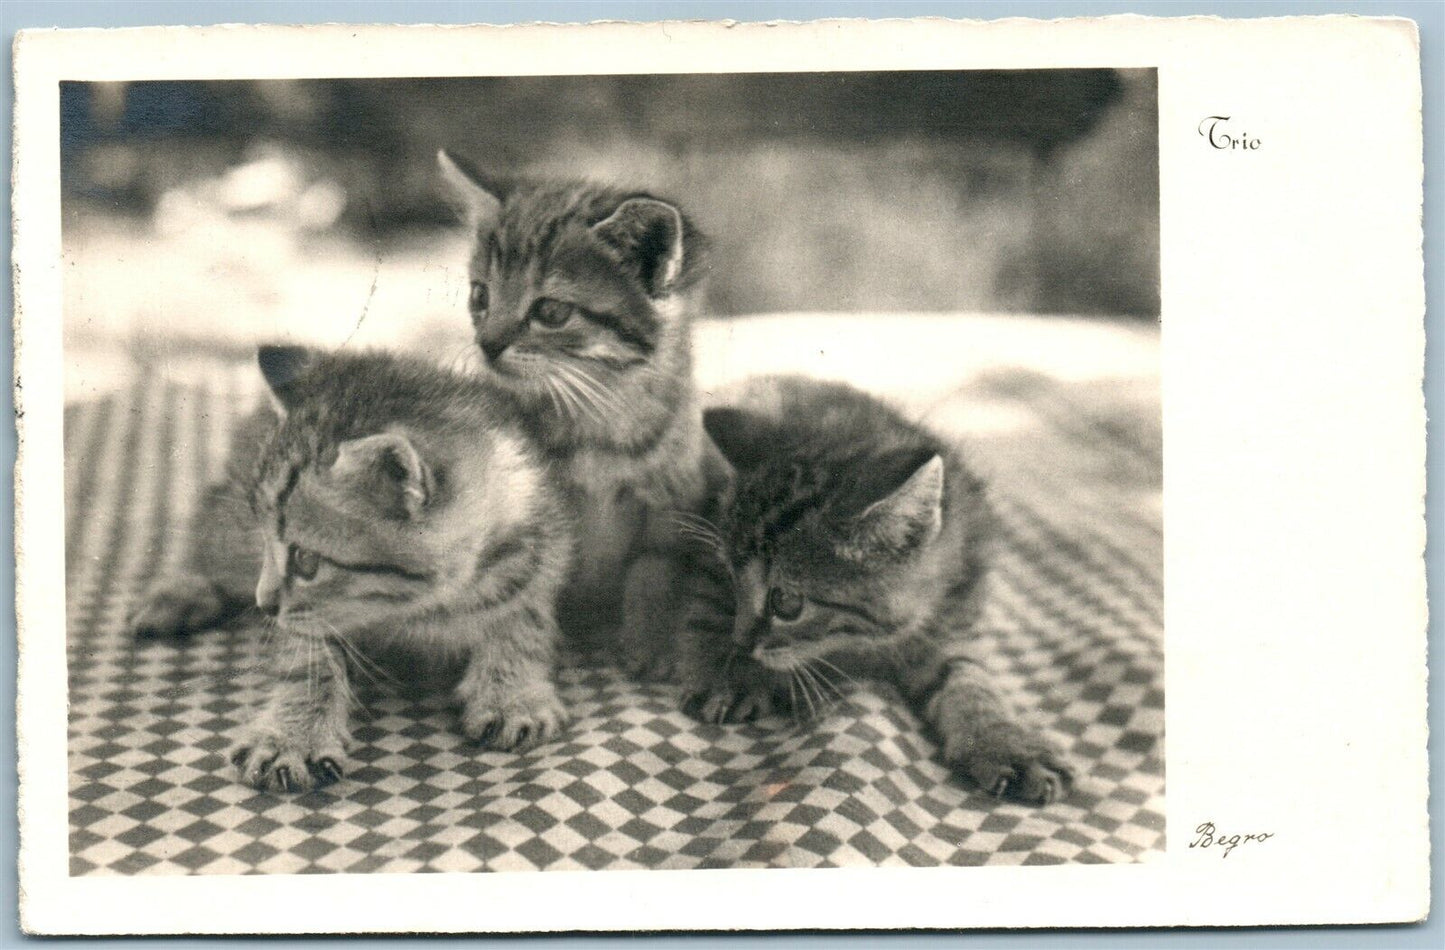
(857,543)
(580,300)
(395,512)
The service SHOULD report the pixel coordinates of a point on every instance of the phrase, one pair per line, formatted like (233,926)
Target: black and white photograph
(629,469)
(682,471)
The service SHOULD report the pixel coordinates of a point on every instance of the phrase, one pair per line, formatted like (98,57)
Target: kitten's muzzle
(747,631)
(494,339)
(268,593)
(493,349)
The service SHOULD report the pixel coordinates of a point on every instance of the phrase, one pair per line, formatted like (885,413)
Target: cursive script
(1224,139)
(1209,837)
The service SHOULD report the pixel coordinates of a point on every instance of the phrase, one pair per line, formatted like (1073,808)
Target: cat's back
(836,425)
(370,390)
(822,412)
(859,443)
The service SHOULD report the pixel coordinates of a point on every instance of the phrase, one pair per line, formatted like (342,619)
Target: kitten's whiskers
(793,699)
(365,665)
(587,396)
(826,683)
(797,673)
(835,668)
(550,388)
(578,406)
(605,397)
(821,684)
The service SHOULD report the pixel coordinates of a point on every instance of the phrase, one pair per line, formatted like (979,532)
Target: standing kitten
(857,543)
(396,512)
(580,299)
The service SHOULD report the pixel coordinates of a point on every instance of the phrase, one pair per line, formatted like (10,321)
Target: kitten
(858,543)
(580,300)
(396,510)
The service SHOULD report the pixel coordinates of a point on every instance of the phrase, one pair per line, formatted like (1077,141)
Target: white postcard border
(1294,485)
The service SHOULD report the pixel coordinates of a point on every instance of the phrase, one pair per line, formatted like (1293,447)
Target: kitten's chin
(777,660)
(523,380)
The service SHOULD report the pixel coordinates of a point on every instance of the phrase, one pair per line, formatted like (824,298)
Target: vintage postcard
(900,474)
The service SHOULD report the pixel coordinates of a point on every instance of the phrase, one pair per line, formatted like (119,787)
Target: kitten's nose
(268,595)
(748,629)
(494,348)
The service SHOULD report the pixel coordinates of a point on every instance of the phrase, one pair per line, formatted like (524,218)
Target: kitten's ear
(479,195)
(908,517)
(740,435)
(388,468)
(649,233)
(282,367)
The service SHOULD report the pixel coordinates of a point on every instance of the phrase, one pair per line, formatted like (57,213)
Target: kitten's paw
(272,762)
(648,652)
(516,725)
(1023,768)
(728,704)
(180,604)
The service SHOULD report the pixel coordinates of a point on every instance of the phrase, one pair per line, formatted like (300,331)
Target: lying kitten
(580,301)
(395,511)
(857,545)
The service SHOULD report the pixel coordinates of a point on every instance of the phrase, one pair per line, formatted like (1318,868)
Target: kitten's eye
(551,313)
(480,297)
(304,564)
(784,605)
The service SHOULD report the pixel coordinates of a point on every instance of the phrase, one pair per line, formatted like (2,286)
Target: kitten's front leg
(508,699)
(675,573)
(648,616)
(983,735)
(299,738)
(218,579)
(652,599)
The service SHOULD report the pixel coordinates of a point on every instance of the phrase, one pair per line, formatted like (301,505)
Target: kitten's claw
(1030,776)
(752,705)
(325,771)
(177,605)
(273,763)
(518,726)
(719,705)
(260,772)
(717,708)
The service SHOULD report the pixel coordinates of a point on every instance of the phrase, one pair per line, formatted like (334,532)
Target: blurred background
(249,208)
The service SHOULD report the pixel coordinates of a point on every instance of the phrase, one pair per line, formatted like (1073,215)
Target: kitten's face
(788,615)
(816,569)
(562,318)
(573,291)
(338,552)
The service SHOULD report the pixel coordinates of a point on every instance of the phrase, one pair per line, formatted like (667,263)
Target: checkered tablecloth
(1075,612)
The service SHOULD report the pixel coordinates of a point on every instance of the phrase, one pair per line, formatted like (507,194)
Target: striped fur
(581,298)
(397,511)
(856,544)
